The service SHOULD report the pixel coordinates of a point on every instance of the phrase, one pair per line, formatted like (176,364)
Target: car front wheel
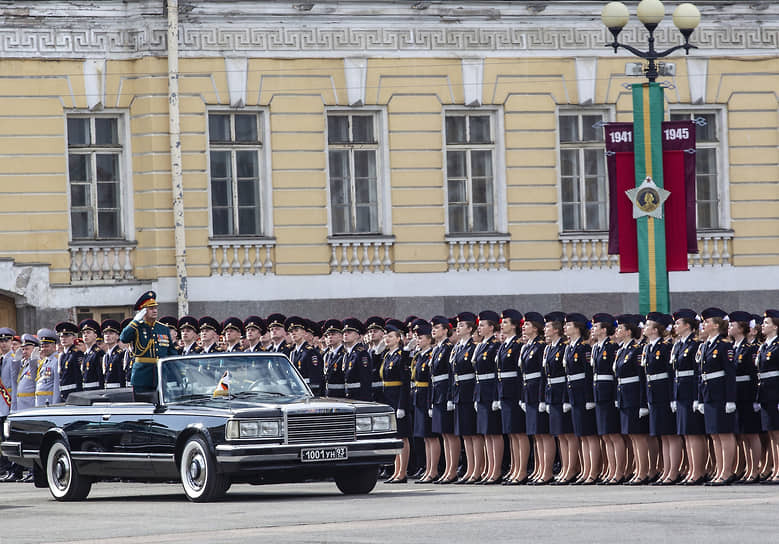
(65,482)
(201,481)
(357,481)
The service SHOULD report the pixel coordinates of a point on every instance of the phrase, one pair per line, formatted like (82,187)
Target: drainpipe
(175,158)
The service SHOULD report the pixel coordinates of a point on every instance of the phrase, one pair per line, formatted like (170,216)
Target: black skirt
(583,421)
(422,423)
(688,422)
(404,426)
(512,417)
(536,422)
(716,420)
(487,420)
(630,423)
(559,421)
(661,419)
(443,421)
(464,419)
(607,418)
(749,421)
(769,415)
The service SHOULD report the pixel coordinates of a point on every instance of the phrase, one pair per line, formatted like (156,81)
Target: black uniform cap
(90,325)
(555,316)
(605,319)
(774,314)
(713,312)
(745,317)
(441,320)
(374,322)
(686,313)
(513,315)
(276,320)
(209,322)
(353,324)
(489,315)
(395,325)
(628,319)
(295,321)
(188,322)
(66,327)
(466,316)
(660,318)
(534,316)
(332,325)
(111,325)
(233,323)
(170,322)
(256,322)
(125,322)
(420,326)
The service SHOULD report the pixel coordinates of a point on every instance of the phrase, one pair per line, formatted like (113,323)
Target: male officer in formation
(358,367)
(8,472)
(304,356)
(25,380)
(255,327)
(209,334)
(232,329)
(92,366)
(70,359)
(113,360)
(278,334)
(47,380)
(188,328)
(335,386)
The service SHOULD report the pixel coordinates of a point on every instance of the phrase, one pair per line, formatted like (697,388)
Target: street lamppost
(648,113)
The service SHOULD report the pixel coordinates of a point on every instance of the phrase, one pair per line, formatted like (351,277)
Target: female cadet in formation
(578,372)
(420,395)
(717,393)
(631,396)
(556,397)
(531,365)
(395,376)
(747,407)
(442,406)
(768,388)
(606,414)
(510,392)
(656,360)
(486,400)
(462,397)
(689,422)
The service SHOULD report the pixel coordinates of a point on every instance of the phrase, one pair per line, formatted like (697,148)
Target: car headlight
(253,428)
(381,423)
(7,429)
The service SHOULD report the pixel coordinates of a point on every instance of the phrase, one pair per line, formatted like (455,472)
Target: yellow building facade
(364,157)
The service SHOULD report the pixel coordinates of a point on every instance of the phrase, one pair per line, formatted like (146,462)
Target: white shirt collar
(507,341)
(769,341)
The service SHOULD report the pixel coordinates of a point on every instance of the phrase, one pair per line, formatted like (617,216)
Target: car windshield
(229,376)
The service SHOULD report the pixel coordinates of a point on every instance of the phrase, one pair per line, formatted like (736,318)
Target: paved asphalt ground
(122,513)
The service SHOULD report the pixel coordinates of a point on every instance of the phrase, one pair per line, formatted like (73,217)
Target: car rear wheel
(201,481)
(357,481)
(65,482)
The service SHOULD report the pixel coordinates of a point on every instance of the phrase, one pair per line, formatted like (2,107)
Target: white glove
(756,406)
(140,315)
(542,407)
(673,406)
(589,406)
(449,406)
(700,407)
(430,413)
(643,412)
(523,406)
(476,406)
(566,407)
(495,405)
(616,404)
(401,413)
(695,404)
(730,407)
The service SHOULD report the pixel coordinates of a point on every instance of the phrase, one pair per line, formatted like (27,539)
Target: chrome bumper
(275,453)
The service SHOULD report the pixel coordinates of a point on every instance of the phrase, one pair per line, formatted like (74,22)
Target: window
(583,184)
(353,157)
(235,159)
(95,175)
(707,191)
(470,171)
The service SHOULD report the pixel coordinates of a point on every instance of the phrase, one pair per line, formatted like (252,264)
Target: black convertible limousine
(214,420)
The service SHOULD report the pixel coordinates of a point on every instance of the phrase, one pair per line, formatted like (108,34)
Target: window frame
(723,169)
(498,148)
(607,116)
(125,186)
(264,171)
(383,185)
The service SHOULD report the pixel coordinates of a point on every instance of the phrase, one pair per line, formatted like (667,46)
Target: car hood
(277,405)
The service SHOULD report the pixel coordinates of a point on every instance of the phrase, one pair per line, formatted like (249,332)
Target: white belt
(712,375)
(743,378)
(353,385)
(112,385)
(377,384)
(685,373)
(532,376)
(509,374)
(769,374)
(67,387)
(487,376)
(659,376)
(91,384)
(553,381)
(577,377)
(603,378)
(440,378)
(307,380)
(335,386)
(464,377)
(630,379)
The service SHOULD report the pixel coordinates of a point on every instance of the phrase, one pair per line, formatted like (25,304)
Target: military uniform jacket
(420,378)
(656,360)
(358,372)
(308,362)
(745,355)
(376,354)
(334,372)
(509,374)
(486,367)
(128,367)
(7,383)
(630,376)
(70,371)
(47,381)
(440,373)
(92,368)
(148,343)
(284,348)
(768,371)
(25,385)
(718,371)
(464,380)
(531,367)
(395,375)
(194,349)
(114,367)
(604,386)
(235,348)
(685,369)
(578,370)
(556,389)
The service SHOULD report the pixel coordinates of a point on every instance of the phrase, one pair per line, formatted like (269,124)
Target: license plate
(310,455)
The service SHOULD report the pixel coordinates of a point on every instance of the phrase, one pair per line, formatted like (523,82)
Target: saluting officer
(113,360)
(232,329)
(357,364)
(374,326)
(335,384)
(92,366)
(47,381)
(28,369)
(70,359)
(188,328)
(303,355)
(278,334)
